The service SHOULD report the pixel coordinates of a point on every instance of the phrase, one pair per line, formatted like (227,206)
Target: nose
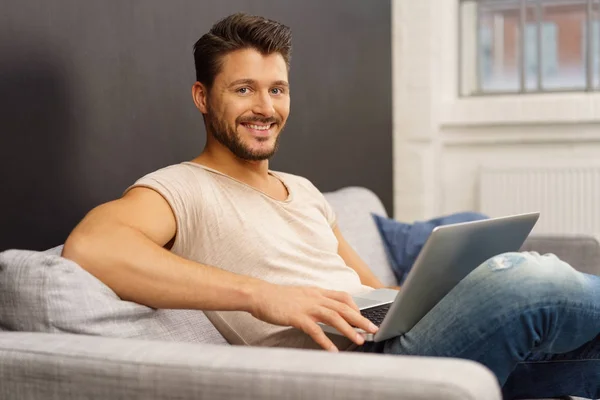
(263,105)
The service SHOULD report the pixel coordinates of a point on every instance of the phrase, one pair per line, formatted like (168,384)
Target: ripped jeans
(533,320)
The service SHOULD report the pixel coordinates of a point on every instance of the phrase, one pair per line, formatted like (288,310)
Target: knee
(529,277)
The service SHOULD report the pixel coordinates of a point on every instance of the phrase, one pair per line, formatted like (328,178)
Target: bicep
(141,208)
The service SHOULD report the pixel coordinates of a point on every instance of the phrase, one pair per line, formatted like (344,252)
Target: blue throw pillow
(403,242)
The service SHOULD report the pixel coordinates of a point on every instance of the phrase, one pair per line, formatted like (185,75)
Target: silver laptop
(450,253)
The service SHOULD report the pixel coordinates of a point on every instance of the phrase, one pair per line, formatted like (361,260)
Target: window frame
(590,70)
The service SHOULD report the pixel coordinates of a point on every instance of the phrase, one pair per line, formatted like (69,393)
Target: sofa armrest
(63,366)
(582,252)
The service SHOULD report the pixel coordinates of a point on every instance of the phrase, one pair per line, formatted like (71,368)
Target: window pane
(532,50)
(549,53)
(567,45)
(595,50)
(498,39)
(596,44)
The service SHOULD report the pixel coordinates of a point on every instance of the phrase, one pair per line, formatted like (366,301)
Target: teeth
(259,127)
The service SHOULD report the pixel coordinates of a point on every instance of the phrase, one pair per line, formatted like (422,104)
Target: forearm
(139,270)
(369,279)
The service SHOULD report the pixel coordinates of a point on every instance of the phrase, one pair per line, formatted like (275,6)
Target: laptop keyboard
(376,314)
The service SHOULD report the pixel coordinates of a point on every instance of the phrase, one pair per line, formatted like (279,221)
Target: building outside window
(559,49)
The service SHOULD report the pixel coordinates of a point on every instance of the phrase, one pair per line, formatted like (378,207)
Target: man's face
(249,103)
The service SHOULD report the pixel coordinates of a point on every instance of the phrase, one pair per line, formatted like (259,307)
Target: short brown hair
(236,32)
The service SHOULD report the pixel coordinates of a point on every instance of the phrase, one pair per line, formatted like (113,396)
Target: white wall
(441,140)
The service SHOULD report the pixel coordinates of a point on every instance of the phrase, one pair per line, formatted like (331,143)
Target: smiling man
(257,106)
(259,250)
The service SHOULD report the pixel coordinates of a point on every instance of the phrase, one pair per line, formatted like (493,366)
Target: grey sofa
(87,352)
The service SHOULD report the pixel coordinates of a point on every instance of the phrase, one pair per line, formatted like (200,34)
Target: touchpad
(375,297)
(365,303)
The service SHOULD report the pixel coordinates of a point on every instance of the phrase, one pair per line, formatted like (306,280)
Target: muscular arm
(353,260)
(121,243)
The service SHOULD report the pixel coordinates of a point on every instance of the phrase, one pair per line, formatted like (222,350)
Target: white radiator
(568,197)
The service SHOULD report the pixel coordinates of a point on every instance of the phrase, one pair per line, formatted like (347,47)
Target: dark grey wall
(94,94)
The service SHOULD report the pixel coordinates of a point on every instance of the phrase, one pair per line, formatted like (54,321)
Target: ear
(200,96)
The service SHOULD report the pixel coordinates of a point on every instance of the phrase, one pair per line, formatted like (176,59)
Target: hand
(302,307)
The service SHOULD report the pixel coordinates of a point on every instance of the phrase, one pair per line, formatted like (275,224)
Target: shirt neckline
(272,173)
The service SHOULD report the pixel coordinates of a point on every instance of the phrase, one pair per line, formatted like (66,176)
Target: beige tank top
(228,224)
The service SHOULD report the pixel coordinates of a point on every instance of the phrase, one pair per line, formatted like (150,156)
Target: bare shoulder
(141,208)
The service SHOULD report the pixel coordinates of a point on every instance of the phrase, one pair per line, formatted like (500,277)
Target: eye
(243,90)
(276,91)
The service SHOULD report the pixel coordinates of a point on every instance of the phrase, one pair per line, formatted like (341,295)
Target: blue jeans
(533,320)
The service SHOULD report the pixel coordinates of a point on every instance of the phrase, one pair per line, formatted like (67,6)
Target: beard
(228,136)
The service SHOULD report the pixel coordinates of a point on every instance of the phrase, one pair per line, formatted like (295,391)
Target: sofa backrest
(44,292)
(353,207)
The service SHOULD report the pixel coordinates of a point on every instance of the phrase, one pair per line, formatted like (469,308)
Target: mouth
(261,130)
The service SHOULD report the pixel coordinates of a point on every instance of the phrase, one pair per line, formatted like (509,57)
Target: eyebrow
(252,82)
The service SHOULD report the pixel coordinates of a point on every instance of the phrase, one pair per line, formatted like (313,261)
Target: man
(259,251)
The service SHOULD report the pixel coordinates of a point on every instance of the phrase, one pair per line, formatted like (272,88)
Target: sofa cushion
(44,292)
(353,207)
(404,241)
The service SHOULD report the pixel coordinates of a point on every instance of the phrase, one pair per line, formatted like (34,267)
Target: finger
(342,297)
(353,317)
(332,318)
(318,335)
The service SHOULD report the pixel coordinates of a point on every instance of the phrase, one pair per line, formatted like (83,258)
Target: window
(529,46)
(595,49)
(549,43)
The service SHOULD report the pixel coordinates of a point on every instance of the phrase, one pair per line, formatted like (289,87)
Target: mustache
(262,120)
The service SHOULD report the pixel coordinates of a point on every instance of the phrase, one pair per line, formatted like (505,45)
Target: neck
(220,158)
